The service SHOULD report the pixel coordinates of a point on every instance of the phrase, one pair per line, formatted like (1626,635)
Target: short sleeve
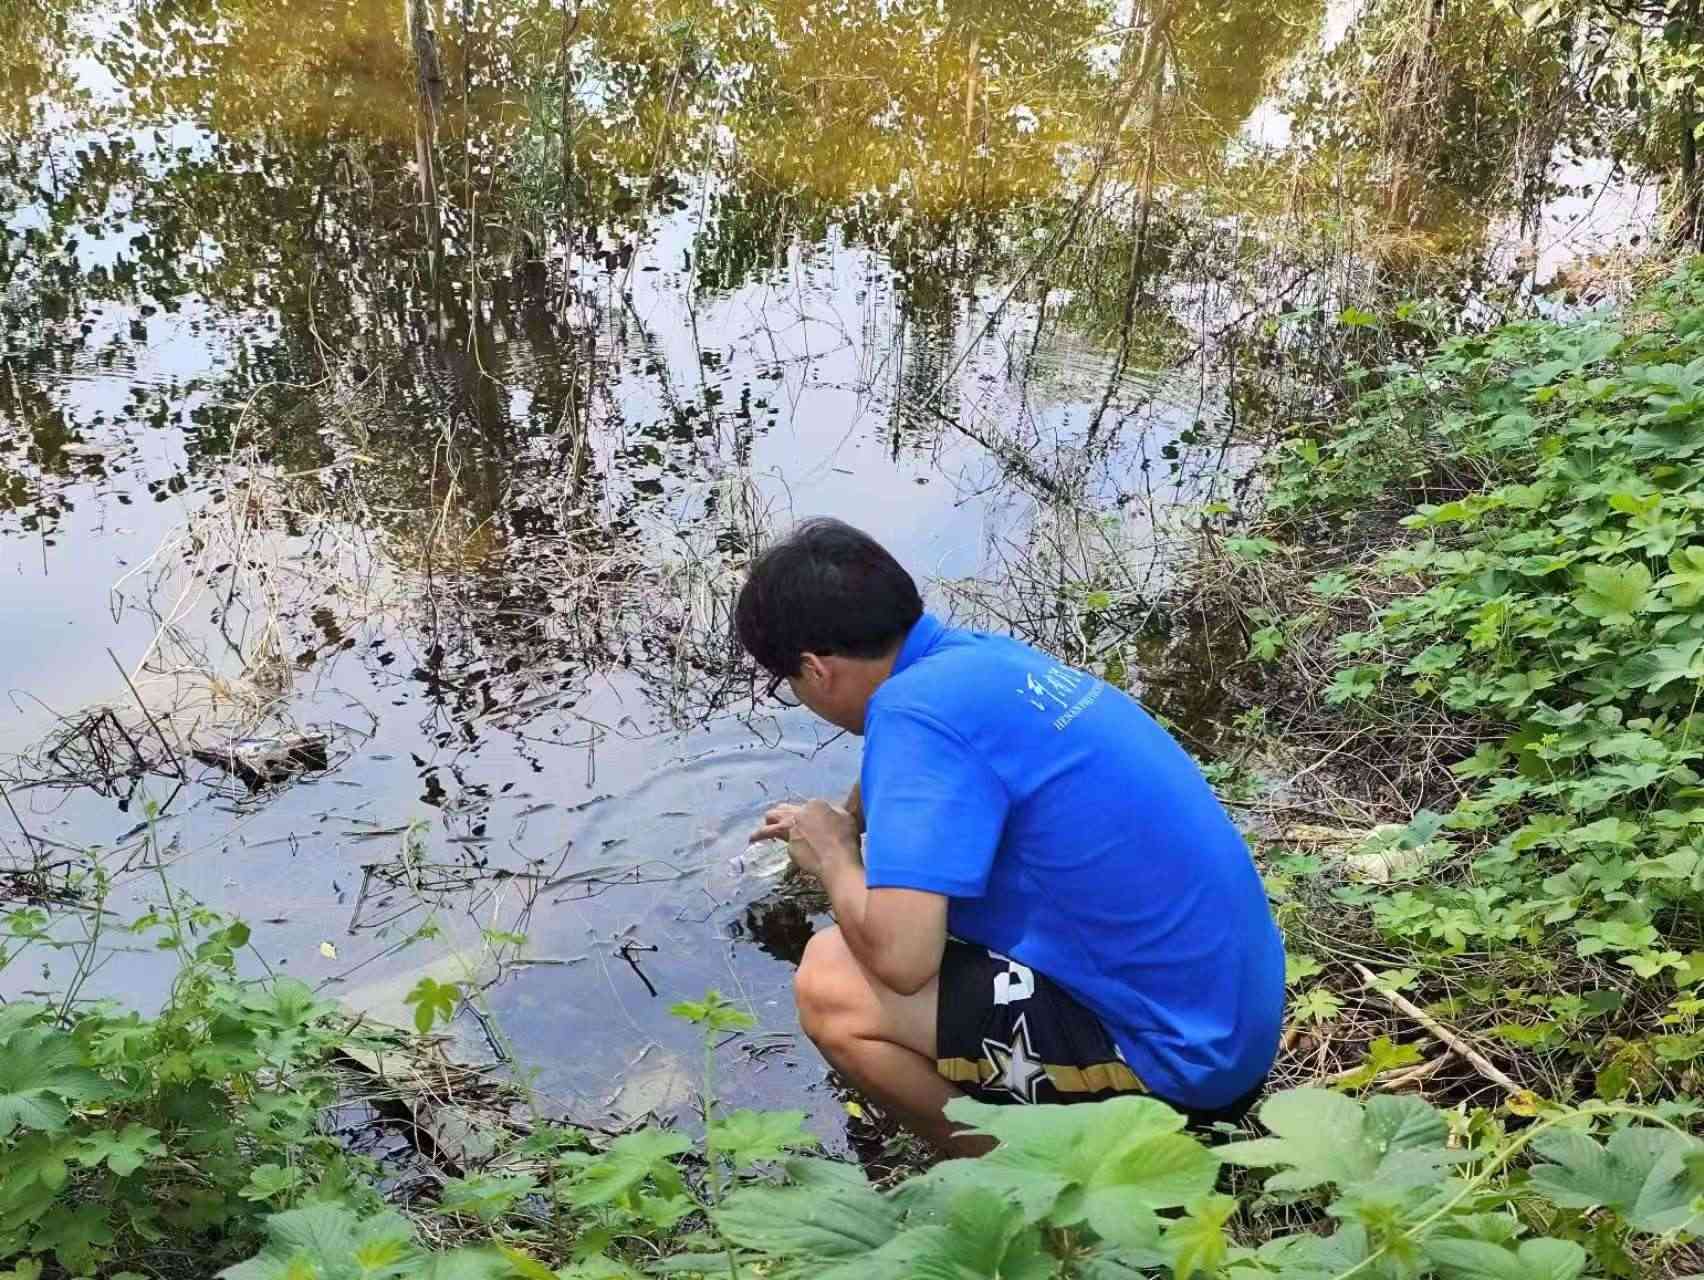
(933,809)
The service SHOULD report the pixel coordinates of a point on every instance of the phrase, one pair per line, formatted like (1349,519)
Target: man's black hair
(826,588)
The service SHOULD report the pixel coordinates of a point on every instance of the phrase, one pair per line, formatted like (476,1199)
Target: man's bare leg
(882,1041)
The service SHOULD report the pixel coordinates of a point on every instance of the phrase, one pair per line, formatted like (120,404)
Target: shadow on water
(421,381)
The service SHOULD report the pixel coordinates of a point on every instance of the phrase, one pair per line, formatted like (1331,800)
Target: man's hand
(898,935)
(822,833)
(815,832)
(777,824)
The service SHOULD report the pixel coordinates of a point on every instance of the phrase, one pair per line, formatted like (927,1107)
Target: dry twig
(1469,1054)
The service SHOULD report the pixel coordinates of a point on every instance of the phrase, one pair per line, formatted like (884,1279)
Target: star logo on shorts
(1014,1067)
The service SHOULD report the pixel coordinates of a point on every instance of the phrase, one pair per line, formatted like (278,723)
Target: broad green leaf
(828,1176)
(1641,1173)
(36,1157)
(523,1264)
(462,1264)
(713,1013)
(268,1180)
(1163,1171)
(1517,687)
(1304,1256)
(747,1137)
(1435,660)
(1670,1200)
(804,1224)
(1614,593)
(1542,1259)
(1032,1190)
(1659,667)
(630,1160)
(1298,967)
(1071,1141)
(980,1238)
(123,1152)
(41,1073)
(486,1196)
(1317,1004)
(320,1240)
(1633,504)
(1322,1137)
(1355,684)
(1329,586)
(20,1014)
(1197,1243)
(1384,1054)
(600,1269)
(715,1265)
(1318,1138)
(1121,1216)
(433,1002)
(74,1234)
(1397,1122)
(1684,584)
(1118,1264)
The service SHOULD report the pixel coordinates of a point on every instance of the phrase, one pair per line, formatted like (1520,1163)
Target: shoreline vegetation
(1469,623)
(499,336)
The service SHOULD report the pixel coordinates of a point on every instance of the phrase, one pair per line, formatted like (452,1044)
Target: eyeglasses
(780,691)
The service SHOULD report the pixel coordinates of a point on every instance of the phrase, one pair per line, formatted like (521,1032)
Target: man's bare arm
(898,935)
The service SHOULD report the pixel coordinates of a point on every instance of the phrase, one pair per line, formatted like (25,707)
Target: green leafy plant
(1551,607)
(119,1132)
(1118,1189)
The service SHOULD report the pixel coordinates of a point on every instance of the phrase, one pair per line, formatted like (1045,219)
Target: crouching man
(1048,903)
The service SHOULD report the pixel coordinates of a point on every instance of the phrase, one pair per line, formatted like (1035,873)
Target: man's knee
(833,996)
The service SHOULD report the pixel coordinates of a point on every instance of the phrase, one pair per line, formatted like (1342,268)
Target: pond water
(431,403)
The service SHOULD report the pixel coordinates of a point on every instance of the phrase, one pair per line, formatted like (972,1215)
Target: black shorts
(1005,1033)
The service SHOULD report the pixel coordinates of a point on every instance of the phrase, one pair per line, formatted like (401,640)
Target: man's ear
(814,669)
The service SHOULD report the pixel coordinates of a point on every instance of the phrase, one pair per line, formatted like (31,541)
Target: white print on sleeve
(1060,689)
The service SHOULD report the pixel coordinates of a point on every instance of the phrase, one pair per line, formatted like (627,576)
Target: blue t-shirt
(1072,834)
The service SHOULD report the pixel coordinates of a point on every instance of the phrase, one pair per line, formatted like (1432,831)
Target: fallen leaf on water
(328,951)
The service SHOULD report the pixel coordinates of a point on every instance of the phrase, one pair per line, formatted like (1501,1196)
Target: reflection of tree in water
(262,166)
